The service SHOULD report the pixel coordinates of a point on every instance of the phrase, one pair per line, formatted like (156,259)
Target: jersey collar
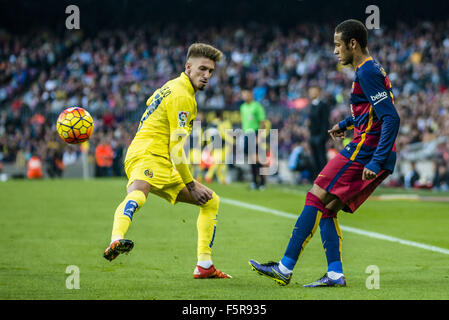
(186,79)
(363,62)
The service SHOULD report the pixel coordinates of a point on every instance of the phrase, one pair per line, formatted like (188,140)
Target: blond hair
(202,50)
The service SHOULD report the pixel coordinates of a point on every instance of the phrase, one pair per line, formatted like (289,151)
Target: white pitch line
(398,197)
(369,234)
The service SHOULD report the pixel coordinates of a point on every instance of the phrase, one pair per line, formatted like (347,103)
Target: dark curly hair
(353,29)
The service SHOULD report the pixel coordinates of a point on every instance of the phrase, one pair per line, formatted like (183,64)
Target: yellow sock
(206,224)
(211,172)
(124,213)
(221,173)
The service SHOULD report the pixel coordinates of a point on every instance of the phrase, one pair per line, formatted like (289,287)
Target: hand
(336,132)
(368,174)
(201,194)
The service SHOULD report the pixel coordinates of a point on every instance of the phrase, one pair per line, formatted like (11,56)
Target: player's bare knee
(319,193)
(140,185)
(335,205)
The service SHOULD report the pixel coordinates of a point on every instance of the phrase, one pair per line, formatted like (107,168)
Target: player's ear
(188,67)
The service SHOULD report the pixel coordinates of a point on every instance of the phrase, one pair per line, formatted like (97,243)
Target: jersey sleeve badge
(182,118)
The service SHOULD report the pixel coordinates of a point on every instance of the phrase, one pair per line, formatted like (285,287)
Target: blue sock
(331,238)
(303,231)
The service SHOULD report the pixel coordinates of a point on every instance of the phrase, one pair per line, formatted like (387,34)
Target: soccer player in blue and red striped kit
(349,178)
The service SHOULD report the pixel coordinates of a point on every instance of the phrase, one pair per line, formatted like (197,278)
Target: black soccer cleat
(325,281)
(271,270)
(117,247)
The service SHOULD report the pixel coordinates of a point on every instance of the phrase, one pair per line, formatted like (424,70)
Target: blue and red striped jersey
(373,117)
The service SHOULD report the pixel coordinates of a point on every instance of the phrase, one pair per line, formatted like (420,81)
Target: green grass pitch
(49,225)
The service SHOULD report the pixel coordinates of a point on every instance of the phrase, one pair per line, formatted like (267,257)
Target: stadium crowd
(112,74)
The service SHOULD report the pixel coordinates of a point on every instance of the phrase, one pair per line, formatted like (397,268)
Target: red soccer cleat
(209,273)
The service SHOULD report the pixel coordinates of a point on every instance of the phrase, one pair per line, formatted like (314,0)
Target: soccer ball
(75,125)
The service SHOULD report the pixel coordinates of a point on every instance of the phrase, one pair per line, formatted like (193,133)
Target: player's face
(199,70)
(247,96)
(344,53)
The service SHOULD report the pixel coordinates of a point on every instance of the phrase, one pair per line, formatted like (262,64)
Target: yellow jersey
(166,124)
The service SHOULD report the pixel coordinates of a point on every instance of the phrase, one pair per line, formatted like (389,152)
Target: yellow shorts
(164,179)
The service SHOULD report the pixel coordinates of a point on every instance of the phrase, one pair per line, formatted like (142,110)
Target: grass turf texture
(51,224)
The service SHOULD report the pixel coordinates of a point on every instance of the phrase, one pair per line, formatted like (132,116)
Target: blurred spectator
(54,164)
(69,157)
(441,177)
(318,126)
(34,168)
(411,177)
(300,161)
(117,163)
(104,157)
(220,143)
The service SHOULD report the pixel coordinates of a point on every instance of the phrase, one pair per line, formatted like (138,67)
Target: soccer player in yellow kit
(155,161)
(219,127)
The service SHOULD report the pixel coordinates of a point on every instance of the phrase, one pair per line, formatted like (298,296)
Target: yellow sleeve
(179,113)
